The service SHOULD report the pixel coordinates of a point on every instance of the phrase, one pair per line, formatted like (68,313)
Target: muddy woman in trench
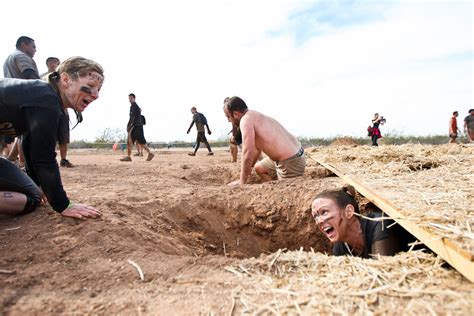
(335,213)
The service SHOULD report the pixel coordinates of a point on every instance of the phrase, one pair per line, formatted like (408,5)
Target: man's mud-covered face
(231,116)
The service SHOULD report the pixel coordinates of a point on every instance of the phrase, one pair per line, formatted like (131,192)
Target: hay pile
(313,283)
(344,141)
(431,185)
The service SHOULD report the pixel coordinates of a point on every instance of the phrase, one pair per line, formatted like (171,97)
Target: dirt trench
(175,217)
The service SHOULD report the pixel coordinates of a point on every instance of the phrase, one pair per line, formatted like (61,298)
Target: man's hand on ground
(234,183)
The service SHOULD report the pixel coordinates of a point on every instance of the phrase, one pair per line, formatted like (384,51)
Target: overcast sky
(322,68)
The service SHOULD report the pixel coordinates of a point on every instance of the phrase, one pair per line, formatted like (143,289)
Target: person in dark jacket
(201,122)
(32,108)
(135,130)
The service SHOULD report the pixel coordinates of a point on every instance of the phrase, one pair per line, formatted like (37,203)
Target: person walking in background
(21,65)
(135,130)
(200,121)
(469,126)
(261,133)
(63,126)
(453,128)
(32,108)
(375,132)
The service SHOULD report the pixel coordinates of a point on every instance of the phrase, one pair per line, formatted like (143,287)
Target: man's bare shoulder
(252,116)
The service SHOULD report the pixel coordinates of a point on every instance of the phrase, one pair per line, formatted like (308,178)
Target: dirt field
(173,216)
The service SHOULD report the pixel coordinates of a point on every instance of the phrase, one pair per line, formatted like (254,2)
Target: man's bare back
(261,133)
(264,133)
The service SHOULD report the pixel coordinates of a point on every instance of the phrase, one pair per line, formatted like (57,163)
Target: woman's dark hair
(342,197)
(236,104)
(23,39)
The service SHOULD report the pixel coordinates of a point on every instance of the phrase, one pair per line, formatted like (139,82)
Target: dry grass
(306,283)
(431,185)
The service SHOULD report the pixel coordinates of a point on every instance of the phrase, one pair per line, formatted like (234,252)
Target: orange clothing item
(453,125)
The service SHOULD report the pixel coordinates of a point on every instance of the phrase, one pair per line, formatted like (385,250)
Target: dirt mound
(173,216)
(344,141)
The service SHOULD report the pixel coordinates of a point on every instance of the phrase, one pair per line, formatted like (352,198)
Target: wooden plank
(460,259)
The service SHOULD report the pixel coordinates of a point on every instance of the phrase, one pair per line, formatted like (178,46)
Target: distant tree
(109,135)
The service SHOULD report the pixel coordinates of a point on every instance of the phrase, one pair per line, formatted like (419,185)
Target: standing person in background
(32,108)
(21,65)
(453,128)
(469,126)
(135,130)
(235,140)
(52,63)
(376,121)
(200,121)
(63,127)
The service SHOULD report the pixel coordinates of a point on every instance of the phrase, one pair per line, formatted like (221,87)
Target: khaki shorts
(288,168)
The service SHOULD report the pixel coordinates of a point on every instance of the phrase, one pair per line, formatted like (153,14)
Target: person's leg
(18,193)
(291,168)
(63,153)
(139,149)
(234,151)
(470,134)
(21,155)
(452,139)
(147,149)
(374,140)
(12,203)
(204,140)
(63,140)
(141,141)
(208,146)
(198,142)
(13,155)
(129,147)
(266,169)
(130,142)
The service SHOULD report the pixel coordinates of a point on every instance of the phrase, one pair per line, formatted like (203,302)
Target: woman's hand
(81,211)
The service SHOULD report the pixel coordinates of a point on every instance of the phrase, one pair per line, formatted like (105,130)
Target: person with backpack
(135,130)
(200,121)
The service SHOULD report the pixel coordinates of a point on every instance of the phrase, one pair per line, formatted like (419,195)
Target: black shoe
(65,163)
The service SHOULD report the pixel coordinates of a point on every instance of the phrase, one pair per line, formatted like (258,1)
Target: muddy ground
(174,217)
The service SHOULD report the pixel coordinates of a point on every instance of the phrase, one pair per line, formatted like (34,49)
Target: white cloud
(174,55)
